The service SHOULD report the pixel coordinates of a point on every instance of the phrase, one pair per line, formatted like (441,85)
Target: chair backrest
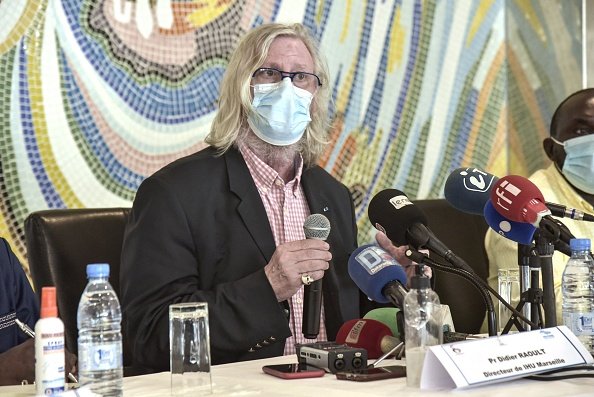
(60,244)
(464,234)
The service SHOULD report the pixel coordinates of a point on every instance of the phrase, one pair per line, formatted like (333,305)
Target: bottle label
(579,323)
(100,357)
(49,363)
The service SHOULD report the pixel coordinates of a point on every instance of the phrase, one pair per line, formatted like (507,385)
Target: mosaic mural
(96,95)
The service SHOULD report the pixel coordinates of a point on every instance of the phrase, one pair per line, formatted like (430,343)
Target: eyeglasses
(300,79)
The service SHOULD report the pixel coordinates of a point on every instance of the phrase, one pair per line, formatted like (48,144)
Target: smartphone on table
(293,371)
(368,374)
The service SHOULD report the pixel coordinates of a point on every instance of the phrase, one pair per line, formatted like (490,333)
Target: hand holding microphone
(404,223)
(399,253)
(292,261)
(316,227)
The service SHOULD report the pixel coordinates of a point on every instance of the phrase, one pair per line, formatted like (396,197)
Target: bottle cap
(48,302)
(420,282)
(97,270)
(579,244)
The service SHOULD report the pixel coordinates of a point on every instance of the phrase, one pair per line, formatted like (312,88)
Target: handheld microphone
(391,212)
(368,334)
(316,226)
(468,189)
(378,275)
(519,232)
(519,200)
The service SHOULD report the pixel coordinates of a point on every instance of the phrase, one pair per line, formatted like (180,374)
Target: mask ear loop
(562,144)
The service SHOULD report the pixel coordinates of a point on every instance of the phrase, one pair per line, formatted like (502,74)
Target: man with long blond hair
(225,225)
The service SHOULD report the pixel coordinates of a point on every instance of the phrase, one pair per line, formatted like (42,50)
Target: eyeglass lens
(299,79)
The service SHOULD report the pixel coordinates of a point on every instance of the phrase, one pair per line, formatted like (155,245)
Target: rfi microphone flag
(519,200)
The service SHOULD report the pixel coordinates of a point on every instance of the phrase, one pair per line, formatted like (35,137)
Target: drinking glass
(189,347)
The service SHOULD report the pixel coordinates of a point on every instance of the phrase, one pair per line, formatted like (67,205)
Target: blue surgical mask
(578,167)
(281,112)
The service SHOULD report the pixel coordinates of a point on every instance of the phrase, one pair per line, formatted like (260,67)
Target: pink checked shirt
(287,209)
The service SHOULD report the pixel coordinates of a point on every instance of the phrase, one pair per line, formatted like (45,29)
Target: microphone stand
(551,234)
(547,234)
(545,249)
(532,295)
(420,258)
(524,253)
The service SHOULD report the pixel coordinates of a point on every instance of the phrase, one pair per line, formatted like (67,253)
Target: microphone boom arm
(479,283)
(420,236)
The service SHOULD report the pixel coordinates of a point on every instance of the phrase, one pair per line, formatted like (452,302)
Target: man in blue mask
(225,225)
(571,145)
(568,180)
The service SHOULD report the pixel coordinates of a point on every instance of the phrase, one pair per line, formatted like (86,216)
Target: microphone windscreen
(391,212)
(372,268)
(317,227)
(519,232)
(386,316)
(513,195)
(468,189)
(366,334)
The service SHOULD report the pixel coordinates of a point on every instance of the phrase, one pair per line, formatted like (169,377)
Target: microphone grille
(316,226)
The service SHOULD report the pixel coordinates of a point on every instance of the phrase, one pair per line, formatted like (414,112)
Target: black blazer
(198,231)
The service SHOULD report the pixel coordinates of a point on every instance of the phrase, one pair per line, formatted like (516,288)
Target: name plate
(498,358)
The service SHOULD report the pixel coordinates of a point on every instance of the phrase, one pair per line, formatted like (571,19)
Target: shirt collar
(264,175)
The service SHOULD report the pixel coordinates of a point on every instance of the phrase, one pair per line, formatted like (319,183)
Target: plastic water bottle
(99,334)
(578,292)
(422,326)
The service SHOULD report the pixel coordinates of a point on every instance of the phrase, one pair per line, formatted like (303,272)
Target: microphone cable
(492,291)
(553,374)
(422,258)
(478,282)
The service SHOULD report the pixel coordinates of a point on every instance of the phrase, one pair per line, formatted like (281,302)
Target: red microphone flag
(367,334)
(519,200)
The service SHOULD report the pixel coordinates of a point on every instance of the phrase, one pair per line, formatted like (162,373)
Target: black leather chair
(60,244)
(464,234)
